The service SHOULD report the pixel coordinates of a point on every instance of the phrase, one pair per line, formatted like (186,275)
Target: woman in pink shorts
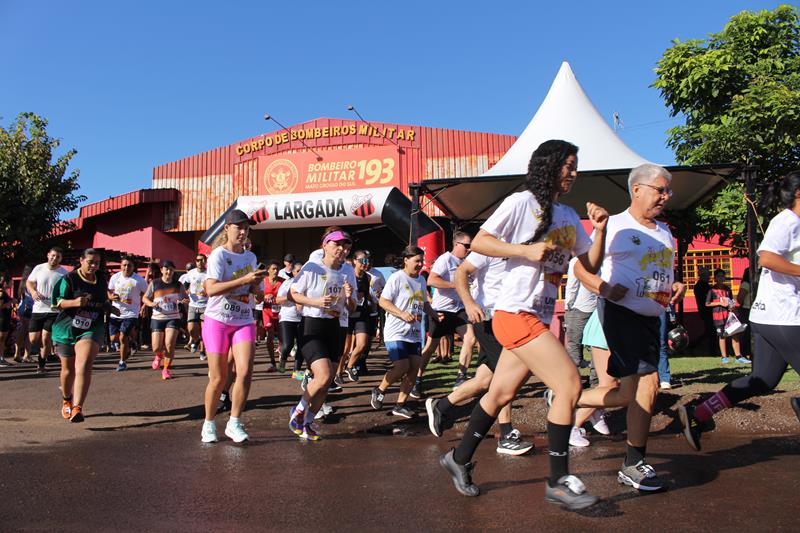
(232,281)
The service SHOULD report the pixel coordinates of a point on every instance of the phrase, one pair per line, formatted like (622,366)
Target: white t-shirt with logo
(407,294)
(778,298)
(198,299)
(130,292)
(641,259)
(376,284)
(527,286)
(446,299)
(488,279)
(234,308)
(45,281)
(288,312)
(315,280)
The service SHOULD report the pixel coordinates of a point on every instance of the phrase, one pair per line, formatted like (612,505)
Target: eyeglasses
(465,244)
(660,190)
(364,260)
(199,260)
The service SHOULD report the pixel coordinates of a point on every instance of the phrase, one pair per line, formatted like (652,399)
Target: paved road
(137,463)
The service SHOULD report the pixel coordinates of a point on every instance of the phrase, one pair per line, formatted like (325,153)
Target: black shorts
(161,325)
(42,321)
(489,354)
(449,324)
(258,316)
(321,339)
(633,339)
(359,324)
(122,325)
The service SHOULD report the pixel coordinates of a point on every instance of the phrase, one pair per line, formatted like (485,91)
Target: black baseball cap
(168,264)
(237,216)
(289,258)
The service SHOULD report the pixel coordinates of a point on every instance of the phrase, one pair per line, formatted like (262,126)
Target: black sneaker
(435,417)
(569,492)
(461,475)
(224,402)
(795,402)
(352,374)
(402,411)
(377,398)
(416,390)
(640,476)
(4,363)
(691,427)
(335,387)
(338,381)
(460,379)
(41,362)
(512,444)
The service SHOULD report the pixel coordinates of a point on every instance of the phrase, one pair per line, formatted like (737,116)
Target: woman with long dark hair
(774,316)
(538,235)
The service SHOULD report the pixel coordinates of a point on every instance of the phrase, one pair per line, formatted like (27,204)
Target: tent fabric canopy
(604,162)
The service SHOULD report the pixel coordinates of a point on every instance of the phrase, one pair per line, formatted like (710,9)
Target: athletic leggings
(776,347)
(290,335)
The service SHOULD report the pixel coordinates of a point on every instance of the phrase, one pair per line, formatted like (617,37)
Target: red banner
(355,168)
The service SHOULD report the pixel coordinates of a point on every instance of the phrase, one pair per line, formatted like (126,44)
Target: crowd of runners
(496,290)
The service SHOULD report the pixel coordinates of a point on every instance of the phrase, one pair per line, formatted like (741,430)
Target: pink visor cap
(337,236)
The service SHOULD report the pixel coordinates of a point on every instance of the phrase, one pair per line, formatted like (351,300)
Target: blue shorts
(161,325)
(121,325)
(402,350)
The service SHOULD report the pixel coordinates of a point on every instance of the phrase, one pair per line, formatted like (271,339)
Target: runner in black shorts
(360,323)
(40,286)
(488,274)
(774,315)
(78,331)
(324,292)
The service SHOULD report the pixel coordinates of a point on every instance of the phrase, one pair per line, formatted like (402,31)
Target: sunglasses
(465,245)
(364,260)
(660,190)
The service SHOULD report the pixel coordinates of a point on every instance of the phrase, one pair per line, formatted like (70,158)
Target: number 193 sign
(354,168)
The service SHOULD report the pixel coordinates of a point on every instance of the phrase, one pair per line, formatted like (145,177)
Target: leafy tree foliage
(739,92)
(34,191)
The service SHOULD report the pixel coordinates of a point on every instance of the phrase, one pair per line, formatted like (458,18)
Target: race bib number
(556,260)
(81,322)
(237,309)
(657,286)
(168,307)
(276,308)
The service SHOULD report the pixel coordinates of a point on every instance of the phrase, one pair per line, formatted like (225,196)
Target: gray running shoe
(434,417)
(569,492)
(377,398)
(352,374)
(403,411)
(512,444)
(461,474)
(640,476)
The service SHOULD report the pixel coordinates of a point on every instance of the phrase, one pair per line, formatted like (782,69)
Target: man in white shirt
(125,290)
(579,303)
(449,308)
(288,267)
(40,286)
(194,283)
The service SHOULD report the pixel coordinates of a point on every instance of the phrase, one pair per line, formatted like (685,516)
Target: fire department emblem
(362,206)
(280,177)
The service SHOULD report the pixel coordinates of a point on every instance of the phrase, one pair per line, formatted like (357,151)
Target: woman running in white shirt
(538,235)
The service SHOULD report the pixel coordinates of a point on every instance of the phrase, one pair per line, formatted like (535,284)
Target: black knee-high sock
(479,425)
(558,437)
(634,454)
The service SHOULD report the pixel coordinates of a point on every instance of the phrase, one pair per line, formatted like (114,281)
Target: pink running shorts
(219,337)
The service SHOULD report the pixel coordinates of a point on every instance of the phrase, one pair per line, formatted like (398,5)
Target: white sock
(301,406)
(233,420)
(209,423)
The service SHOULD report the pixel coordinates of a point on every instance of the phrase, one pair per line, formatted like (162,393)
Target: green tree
(34,191)
(739,93)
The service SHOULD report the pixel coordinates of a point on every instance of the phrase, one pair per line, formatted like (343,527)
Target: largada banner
(358,206)
(354,168)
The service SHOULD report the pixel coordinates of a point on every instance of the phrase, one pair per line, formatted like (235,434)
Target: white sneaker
(598,420)
(324,411)
(236,432)
(665,385)
(209,432)
(577,438)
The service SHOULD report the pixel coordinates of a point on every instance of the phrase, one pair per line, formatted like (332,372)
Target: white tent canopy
(568,114)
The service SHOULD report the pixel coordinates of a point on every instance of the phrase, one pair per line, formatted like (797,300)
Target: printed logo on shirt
(636,240)
(661,258)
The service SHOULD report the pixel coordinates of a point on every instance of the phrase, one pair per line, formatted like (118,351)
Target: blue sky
(137,84)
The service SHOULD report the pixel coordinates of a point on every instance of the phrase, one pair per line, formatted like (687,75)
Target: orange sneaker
(76,415)
(66,409)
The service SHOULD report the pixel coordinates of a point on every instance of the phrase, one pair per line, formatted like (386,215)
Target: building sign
(360,206)
(278,138)
(355,168)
